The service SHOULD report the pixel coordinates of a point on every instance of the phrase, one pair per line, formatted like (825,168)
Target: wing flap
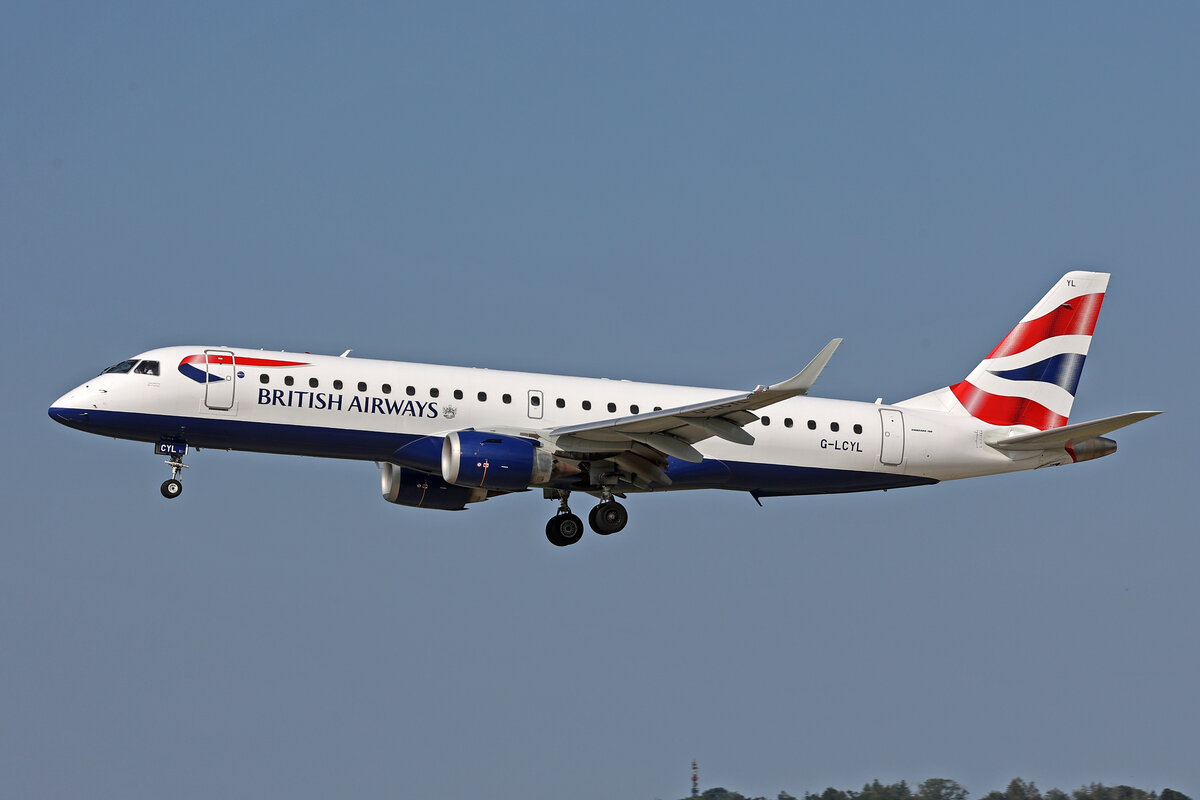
(671,445)
(721,428)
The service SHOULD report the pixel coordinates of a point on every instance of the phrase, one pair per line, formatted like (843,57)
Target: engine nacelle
(410,487)
(494,461)
(1088,449)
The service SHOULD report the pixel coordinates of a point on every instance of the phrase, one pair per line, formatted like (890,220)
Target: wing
(642,443)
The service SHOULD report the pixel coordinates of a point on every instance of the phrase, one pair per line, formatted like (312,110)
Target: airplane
(445,436)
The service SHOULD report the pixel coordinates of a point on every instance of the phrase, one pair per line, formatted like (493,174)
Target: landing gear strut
(172,487)
(564,528)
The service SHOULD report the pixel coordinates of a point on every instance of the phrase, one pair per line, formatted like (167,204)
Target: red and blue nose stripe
(200,373)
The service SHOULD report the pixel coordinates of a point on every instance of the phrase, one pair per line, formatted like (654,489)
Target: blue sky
(689,193)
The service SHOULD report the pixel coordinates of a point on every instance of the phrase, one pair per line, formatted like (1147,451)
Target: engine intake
(494,461)
(410,487)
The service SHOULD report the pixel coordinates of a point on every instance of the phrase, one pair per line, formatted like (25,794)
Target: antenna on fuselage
(343,355)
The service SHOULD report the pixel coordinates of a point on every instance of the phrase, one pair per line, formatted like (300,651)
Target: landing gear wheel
(564,529)
(171,489)
(608,518)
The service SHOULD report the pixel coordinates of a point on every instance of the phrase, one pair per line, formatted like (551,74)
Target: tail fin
(1031,376)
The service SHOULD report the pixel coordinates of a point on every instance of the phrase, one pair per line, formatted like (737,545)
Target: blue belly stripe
(763,480)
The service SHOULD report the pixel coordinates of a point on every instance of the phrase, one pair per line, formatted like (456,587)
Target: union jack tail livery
(1030,377)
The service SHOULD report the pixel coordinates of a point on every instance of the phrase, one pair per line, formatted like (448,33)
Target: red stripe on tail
(997,409)
(1076,317)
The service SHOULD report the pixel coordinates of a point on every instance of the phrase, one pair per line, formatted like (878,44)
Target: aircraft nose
(67,409)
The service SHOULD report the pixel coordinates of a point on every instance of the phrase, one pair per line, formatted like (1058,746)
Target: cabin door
(222,377)
(892,451)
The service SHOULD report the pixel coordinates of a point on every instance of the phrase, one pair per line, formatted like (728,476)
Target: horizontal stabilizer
(1069,434)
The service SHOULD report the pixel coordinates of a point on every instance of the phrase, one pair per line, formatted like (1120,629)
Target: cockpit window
(146,368)
(124,366)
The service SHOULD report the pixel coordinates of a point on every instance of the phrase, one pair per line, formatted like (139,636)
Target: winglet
(803,381)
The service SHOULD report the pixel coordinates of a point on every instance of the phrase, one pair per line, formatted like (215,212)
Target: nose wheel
(171,488)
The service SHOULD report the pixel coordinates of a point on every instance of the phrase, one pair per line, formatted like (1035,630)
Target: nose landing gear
(175,451)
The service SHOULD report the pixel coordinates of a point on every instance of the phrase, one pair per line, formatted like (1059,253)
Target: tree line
(945,789)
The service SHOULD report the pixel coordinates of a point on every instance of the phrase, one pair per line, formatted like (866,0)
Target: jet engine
(410,487)
(494,461)
(1096,447)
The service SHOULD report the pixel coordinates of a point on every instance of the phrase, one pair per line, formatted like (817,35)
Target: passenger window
(812,424)
(833,426)
(410,390)
(633,409)
(507,398)
(362,386)
(587,405)
(386,388)
(123,367)
(482,397)
(857,428)
(612,407)
(434,392)
(264,378)
(458,394)
(560,403)
(766,420)
(534,400)
(146,368)
(658,408)
(787,422)
(337,384)
(313,382)
(288,380)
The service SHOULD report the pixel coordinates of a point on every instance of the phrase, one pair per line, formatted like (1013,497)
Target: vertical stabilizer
(1031,376)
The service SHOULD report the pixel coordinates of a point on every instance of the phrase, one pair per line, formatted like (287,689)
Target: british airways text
(330,401)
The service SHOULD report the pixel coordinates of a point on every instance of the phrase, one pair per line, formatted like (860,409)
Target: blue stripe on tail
(1062,370)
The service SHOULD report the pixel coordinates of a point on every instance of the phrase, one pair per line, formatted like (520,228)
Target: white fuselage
(303,404)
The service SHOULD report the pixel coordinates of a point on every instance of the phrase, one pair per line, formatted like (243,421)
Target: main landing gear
(565,528)
(608,517)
